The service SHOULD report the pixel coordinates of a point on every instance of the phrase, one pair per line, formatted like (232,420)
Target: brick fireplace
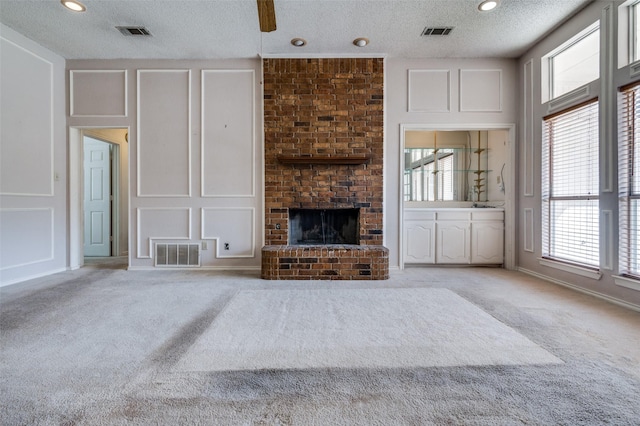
(323,121)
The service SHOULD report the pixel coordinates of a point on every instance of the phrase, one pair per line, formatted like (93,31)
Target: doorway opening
(99,197)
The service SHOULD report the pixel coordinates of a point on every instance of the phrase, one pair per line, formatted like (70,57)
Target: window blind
(629,179)
(445,189)
(570,185)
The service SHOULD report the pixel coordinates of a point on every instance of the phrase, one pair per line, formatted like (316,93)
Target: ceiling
(213,29)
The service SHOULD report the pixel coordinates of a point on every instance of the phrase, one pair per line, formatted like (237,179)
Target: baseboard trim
(33,277)
(599,295)
(201,268)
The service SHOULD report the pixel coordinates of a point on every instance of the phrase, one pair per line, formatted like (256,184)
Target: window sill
(627,282)
(578,270)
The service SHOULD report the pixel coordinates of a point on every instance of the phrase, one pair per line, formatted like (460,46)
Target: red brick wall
(323,107)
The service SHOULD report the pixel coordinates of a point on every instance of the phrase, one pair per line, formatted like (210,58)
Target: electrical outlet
(226,246)
(204,245)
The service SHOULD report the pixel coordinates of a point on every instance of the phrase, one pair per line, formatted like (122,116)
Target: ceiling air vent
(436,31)
(134,31)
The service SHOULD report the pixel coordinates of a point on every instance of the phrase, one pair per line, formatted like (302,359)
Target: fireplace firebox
(324,226)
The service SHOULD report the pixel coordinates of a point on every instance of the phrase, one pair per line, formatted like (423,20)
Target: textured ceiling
(210,29)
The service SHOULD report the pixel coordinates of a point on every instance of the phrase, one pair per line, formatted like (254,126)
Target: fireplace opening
(324,226)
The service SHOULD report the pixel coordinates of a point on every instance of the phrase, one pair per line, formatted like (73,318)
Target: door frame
(510,218)
(76,195)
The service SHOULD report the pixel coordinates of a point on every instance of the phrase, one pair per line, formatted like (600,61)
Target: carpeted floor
(107,346)
(356,328)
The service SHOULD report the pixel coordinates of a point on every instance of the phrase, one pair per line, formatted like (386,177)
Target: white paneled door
(97,198)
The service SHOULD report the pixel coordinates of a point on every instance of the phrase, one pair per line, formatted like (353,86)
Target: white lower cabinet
(487,243)
(454,236)
(453,245)
(420,242)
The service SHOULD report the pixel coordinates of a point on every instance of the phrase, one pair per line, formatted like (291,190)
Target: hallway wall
(33,160)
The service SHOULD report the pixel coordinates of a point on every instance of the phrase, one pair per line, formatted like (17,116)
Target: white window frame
(628,41)
(547,63)
(629,192)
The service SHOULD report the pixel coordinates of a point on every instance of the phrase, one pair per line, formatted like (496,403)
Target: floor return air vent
(177,255)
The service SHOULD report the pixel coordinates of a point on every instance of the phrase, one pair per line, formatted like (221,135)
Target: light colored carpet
(356,328)
(100,346)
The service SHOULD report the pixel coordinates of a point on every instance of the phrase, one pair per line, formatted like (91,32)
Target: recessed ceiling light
(487,5)
(298,42)
(361,41)
(74,5)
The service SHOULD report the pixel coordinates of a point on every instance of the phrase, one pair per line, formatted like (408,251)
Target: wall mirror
(454,165)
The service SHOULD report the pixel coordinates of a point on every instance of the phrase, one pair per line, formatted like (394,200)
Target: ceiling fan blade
(266,16)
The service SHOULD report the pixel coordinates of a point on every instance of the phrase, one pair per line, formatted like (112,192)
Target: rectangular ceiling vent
(436,31)
(134,31)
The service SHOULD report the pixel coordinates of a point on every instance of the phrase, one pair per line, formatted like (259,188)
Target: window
(635,32)
(575,63)
(429,174)
(629,180)
(628,33)
(570,188)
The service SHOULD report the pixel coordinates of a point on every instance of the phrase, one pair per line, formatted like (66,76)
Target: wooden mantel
(350,159)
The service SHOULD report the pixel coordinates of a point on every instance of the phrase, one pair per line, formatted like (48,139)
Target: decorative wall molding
(227,122)
(480,90)
(218,224)
(172,216)
(105,87)
(429,90)
(528,131)
(529,244)
(37,227)
(606,241)
(21,167)
(155,172)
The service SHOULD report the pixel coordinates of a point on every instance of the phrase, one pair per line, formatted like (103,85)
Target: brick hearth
(334,262)
(323,121)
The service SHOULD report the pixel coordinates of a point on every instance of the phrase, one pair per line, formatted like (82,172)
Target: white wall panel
(98,93)
(164,133)
(429,91)
(228,134)
(26,122)
(161,223)
(27,236)
(528,230)
(480,90)
(527,124)
(232,226)
(606,241)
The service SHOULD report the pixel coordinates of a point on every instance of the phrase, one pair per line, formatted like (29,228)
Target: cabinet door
(453,244)
(419,242)
(487,243)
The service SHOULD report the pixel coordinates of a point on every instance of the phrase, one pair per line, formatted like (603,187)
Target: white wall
(195,149)
(33,166)
(529,165)
(446,94)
